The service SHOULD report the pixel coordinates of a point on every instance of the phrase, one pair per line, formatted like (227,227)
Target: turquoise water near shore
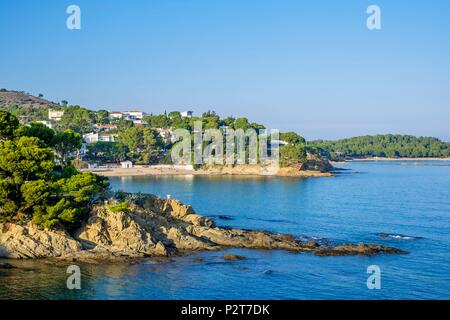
(407,202)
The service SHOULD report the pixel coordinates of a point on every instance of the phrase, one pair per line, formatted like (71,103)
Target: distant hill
(22,99)
(387,145)
(26,106)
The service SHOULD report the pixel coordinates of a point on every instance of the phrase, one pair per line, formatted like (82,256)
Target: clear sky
(308,66)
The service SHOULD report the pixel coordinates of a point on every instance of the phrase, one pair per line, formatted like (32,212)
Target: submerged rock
(153,227)
(357,249)
(233,257)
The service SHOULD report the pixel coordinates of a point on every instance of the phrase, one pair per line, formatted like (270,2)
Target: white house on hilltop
(187,114)
(136,114)
(116,115)
(127,115)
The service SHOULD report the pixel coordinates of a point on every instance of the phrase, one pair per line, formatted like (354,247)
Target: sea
(403,204)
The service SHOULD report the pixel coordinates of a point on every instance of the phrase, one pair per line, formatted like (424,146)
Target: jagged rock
(315,163)
(118,231)
(30,242)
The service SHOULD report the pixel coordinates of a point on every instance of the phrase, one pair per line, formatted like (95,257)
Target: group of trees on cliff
(294,151)
(209,120)
(395,146)
(38,181)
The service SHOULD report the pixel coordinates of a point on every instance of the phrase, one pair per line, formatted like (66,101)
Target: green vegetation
(144,144)
(294,152)
(33,186)
(77,119)
(395,146)
(107,152)
(120,207)
(209,119)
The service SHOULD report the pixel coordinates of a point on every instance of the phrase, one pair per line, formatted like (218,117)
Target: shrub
(120,207)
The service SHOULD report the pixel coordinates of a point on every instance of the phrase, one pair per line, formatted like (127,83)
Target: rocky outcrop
(315,163)
(28,241)
(153,227)
(356,249)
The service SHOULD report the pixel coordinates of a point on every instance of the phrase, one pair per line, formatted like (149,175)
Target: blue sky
(308,66)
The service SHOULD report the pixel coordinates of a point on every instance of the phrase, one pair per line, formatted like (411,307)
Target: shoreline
(211,171)
(388,159)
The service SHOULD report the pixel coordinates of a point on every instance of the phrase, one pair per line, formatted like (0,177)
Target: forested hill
(388,145)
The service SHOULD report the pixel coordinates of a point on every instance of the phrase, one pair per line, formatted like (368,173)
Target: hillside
(25,106)
(22,99)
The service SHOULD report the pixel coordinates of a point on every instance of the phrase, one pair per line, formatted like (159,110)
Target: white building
(127,164)
(187,114)
(167,134)
(116,115)
(136,114)
(47,123)
(96,137)
(106,137)
(140,123)
(55,115)
(127,115)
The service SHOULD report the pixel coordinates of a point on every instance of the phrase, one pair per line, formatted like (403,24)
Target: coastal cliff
(156,227)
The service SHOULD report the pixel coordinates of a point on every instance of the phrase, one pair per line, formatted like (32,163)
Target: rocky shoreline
(311,168)
(153,227)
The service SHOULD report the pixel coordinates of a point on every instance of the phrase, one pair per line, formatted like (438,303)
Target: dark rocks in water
(225,217)
(233,257)
(6,266)
(312,244)
(198,259)
(221,217)
(357,249)
(396,236)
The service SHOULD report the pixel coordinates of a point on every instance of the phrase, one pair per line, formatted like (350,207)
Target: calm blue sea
(409,202)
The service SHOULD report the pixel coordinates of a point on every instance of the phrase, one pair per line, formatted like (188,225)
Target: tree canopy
(32,187)
(389,145)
